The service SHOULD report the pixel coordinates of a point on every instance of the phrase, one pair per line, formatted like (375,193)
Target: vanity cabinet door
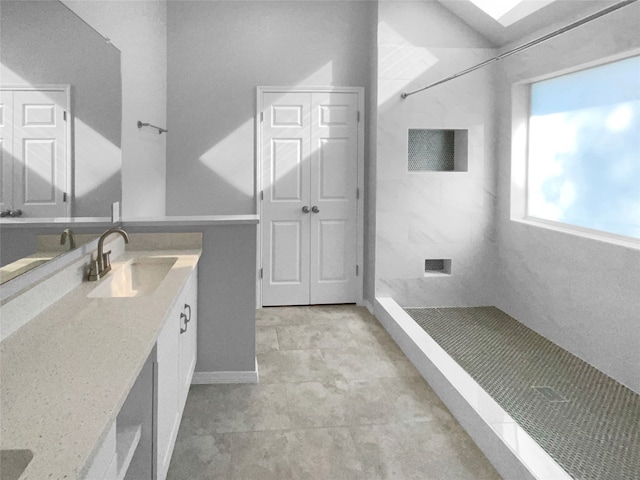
(188,336)
(167,391)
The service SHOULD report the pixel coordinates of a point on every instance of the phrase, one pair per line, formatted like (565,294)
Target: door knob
(315,209)
(305,209)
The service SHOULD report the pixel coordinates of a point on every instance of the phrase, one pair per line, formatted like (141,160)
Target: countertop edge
(194,220)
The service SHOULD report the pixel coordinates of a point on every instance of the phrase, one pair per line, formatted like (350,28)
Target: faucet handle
(94,271)
(106,261)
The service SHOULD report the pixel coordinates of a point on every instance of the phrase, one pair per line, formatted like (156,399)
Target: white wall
(582,294)
(219,52)
(432,215)
(138,29)
(370,168)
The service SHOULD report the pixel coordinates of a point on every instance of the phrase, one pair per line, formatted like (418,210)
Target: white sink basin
(136,278)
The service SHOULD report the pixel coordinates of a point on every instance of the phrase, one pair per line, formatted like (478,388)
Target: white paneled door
(309,202)
(34,135)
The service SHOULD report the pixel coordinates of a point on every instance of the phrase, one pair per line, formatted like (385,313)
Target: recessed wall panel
(286,116)
(334,168)
(286,168)
(39,116)
(334,115)
(333,251)
(286,244)
(39,170)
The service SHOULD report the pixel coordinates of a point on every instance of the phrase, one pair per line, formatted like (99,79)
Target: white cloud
(620,118)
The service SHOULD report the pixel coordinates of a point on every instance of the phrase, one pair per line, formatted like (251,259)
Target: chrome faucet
(67,232)
(102,264)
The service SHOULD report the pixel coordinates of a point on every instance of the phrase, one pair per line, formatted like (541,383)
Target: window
(583,154)
(508,12)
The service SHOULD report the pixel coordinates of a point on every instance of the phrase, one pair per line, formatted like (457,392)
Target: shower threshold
(535,410)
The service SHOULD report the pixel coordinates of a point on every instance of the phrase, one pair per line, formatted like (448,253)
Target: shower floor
(586,421)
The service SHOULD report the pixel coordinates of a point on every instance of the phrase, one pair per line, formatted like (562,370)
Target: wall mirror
(60,125)
(61,113)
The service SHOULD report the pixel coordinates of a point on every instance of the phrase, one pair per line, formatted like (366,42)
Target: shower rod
(527,45)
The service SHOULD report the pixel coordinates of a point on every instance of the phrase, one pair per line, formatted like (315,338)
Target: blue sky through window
(584,148)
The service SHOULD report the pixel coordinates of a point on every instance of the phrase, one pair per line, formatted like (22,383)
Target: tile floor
(337,400)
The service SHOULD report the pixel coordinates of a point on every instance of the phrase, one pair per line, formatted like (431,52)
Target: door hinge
(64,115)
(261,273)
(357,193)
(357,270)
(262,116)
(261,194)
(64,196)
(358,115)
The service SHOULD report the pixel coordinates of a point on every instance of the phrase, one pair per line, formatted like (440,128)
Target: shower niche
(431,150)
(437,267)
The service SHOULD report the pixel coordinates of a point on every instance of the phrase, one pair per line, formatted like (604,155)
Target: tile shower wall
(550,280)
(432,215)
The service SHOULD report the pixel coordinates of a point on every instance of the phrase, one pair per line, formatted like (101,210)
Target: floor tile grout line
(277,339)
(305,428)
(352,429)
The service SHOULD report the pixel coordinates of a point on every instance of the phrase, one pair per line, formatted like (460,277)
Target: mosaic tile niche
(437,150)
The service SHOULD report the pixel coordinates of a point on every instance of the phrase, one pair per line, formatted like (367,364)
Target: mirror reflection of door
(34,132)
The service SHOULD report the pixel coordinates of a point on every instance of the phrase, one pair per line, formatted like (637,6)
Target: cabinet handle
(186,305)
(315,209)
(305,209)
(182,330)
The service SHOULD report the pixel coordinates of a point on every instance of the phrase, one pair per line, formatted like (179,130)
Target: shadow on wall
(211,151)
(218,156)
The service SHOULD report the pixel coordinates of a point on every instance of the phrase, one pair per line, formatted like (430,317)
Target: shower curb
(513,453)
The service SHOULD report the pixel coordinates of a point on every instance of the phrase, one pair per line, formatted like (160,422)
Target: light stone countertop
(66,374)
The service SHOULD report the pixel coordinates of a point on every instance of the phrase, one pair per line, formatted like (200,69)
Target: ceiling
(546,19)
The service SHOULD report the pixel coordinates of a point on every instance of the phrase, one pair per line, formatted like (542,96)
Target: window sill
(610,238)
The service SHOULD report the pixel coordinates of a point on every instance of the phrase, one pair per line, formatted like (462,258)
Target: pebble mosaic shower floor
(586,421)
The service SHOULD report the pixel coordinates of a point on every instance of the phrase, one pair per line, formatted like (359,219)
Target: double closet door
(310,197)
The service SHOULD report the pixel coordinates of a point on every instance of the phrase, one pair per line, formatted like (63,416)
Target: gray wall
(19,241)
(433,215)
(218,53)
(226,295)
(139,30)
(582,294)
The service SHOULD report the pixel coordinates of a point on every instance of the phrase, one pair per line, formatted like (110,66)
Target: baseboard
(367,305)
(204,378)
